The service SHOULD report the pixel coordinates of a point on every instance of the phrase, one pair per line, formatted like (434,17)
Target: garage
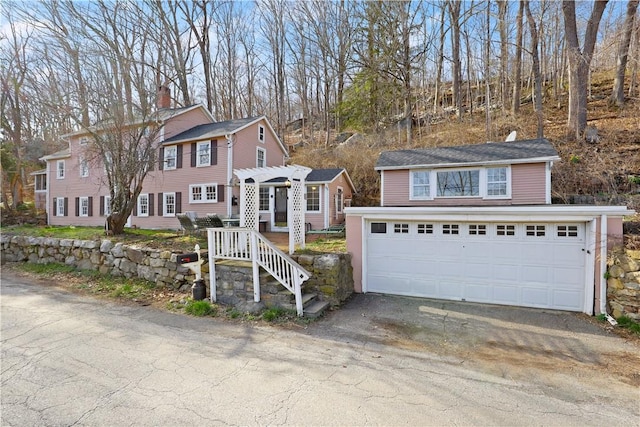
(531,264)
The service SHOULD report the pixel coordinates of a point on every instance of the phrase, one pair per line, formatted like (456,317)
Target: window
(60,169)
(263,199)
(450,229)
(567,231)
(41,182)
(425,228)
(459,183)
(313,198)
(496,182)
(420,188)
(84,206)
(401,228)
(203,193)
(169,204)
(261,133)
(107,205)
(84,140)
(170,157)
(204,153)
(339,201)
(84,168)
(535,230)
(261,155)
(378,228)
(505,230)
(60,206)
(477,229)
(143,205)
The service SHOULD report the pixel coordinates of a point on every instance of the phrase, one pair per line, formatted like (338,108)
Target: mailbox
(187,258)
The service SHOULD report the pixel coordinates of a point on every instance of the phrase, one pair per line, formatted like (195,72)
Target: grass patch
(47,269)
(326,245)
(628,323)
(277,314)
(200,308)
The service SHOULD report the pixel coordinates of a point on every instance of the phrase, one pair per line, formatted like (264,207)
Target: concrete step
(308,299)
(315,309)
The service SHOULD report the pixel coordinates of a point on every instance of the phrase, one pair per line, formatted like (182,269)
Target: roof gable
(524,151)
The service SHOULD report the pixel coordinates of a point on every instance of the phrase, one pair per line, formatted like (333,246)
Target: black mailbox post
(194,261)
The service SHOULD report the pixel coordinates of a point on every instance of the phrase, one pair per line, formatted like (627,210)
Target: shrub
(200,308)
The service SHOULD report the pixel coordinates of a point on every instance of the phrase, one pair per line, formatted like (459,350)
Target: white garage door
(524,264)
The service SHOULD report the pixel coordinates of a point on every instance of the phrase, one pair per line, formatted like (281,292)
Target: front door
(281,207)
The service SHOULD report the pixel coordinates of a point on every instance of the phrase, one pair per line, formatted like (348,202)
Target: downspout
(47,207)
(229,174)
(603,269)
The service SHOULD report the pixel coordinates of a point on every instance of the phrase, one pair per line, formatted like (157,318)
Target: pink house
(194,174)
(475,223)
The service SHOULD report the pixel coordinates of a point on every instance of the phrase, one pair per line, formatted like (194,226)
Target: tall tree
(456,65)
(535,58)
(617,96)
(503,10)
(579,62)
(517,67)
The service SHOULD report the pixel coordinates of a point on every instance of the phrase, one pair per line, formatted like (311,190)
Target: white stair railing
(245,244)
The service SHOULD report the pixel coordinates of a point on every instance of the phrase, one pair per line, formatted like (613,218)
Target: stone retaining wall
(623,283)
(332,277)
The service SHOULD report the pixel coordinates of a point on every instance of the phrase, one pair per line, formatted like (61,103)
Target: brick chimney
(164,97)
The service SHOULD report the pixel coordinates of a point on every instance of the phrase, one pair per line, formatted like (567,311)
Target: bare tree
(454,16)
(517,67)
(503,10)
(579,61)
(617,96)
(536,70)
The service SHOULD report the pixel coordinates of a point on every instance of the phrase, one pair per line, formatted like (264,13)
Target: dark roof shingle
(211,129)
(491,152)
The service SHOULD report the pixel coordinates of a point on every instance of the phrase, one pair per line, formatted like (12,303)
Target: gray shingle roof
(211,130)
(316,175)
(492,152)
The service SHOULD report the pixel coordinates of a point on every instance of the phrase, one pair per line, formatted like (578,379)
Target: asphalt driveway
(512,342)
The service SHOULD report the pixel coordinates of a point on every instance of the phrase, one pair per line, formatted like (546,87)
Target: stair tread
(316,309)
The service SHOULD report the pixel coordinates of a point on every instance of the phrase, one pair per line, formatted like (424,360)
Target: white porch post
(242,202)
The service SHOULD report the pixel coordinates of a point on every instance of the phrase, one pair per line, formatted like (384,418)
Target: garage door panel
(542,270)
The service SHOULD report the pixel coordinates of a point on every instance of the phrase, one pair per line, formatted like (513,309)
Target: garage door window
(425,228)
(505,230)
(536,230)
(567,231)
(401,228)
(378,228)
(450,229)
(477,229)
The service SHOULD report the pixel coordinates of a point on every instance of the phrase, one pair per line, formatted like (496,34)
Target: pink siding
(246,144)
(528,184)
(40,200)
(185,121)
(354,247)
(341,181)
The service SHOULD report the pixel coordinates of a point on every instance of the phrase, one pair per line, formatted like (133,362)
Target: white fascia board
(507,213)
(471,164)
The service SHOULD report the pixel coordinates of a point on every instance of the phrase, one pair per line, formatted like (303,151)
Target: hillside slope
(606,172)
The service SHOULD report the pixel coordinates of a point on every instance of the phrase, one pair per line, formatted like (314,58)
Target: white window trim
(340,199)
(167,149)
(140,197)
(107,205)
(411,178)
(84,203)
(207,144)
(59,206)
(261,134)
(164,204)
(84,168)
(203,189)
(264,157)
(433,188)
(58,170)
(270,197)
(319,199)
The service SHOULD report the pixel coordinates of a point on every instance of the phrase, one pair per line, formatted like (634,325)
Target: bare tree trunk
(617,96)
(439,62)
(636,63)
(487,103)
(454,12)
(517,75)
(579,62)
(536,70)
(503,10)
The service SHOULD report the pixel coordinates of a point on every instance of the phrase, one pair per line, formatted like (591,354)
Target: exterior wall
(340,181)
(40,200)
(528,186)
(246,143)
(185,121)
(354,225)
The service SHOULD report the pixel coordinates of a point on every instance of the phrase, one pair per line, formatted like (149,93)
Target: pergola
(250,192)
